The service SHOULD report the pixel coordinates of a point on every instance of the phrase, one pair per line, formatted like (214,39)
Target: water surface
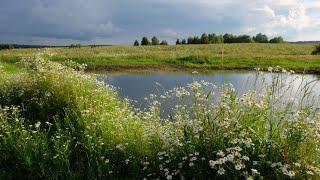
(138,86)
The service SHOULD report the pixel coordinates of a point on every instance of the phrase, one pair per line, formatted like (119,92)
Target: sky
(120,22)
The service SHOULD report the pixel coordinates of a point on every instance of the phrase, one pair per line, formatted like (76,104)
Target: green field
(204,57)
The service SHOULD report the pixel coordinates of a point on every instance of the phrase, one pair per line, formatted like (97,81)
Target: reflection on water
(138,86)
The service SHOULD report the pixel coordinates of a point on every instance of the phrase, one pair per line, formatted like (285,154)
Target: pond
(137,86)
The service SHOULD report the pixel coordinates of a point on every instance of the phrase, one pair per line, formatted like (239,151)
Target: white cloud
(267,10)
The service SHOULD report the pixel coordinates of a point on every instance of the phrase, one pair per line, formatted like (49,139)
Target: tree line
(154,41)
(229,38)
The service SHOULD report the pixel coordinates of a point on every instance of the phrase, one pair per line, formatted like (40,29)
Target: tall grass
(59,123)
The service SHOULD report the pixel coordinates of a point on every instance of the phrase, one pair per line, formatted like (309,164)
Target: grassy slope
(235,56)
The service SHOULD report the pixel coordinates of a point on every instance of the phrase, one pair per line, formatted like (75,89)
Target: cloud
(123,21)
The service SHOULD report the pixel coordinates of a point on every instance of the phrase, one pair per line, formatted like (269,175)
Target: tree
(261,38)
(229,38)
(277,40)
(244,39)
(316,50)
(178,42)
(220,39)
(164,43)
(183,41)
(136,43)
(10,46)
(190,40)
(204,39)
(196,40)
(154,41)
(145,41)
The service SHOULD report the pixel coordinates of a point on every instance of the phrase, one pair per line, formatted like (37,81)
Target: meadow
(58,122)
(296,57)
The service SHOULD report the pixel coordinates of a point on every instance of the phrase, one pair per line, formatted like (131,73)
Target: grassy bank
(204,57)
(58,123)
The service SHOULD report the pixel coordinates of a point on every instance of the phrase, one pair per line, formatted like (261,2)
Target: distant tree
(164,43)
(261,38)
(93,46)
(190,40)
(220,39)
(145,41)
(136,43)
(316,51)
(154,41)
(10,46)
(277,40)
(75,45)
(178,42)
(244,39)
(183,41)
(204,39)
(229,38)
(215,39)
(196,40)
(212,38)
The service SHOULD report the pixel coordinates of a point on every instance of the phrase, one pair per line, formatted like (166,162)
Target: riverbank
(184,57)
(60,123)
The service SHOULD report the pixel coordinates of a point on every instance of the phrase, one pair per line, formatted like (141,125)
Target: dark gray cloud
(122,21)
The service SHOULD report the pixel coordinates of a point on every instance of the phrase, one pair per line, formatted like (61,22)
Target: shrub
(316,50)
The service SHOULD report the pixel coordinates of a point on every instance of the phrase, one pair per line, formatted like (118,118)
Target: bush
(58,123)
(316,50)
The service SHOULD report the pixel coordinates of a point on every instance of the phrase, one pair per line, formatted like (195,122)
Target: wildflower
(212,163)
(169,177)
(106,161)
(220,153)
(291,174)
(37,125)
(191,164)
(127,161)
(120,147)
(238,167)
(310,172)
(193,159)
(254,171)
(221,171)
(246,158)
(273,165)
(230,157)
(297,164)
(249,178)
